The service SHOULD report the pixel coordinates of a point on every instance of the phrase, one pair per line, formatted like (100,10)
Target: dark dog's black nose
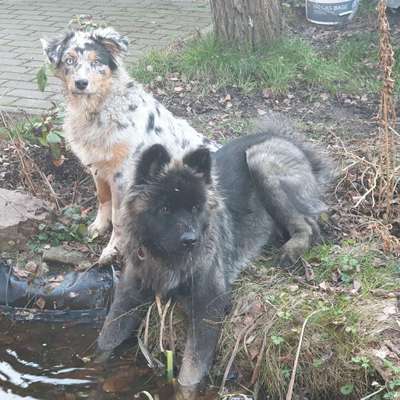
(188,239)
(81,84)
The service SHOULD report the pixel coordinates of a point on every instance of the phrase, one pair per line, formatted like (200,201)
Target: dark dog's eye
(164,210)
(95,63)
(195,209)
(69,61)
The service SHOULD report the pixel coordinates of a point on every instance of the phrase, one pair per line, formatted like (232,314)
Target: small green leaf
(169,365)
(347,389)
(53,138)
(41,78)
(317,363)
(82,230)
(43,141)
(277,340)
(42,237)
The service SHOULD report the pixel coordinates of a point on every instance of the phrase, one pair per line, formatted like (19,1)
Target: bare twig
(296,360)
(232,358)
(256,371)
(374,393)
(147,324)
(162,324)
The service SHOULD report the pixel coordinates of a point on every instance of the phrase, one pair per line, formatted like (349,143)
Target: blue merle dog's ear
(113,41)
(151,163)
(54,49)
(200,162)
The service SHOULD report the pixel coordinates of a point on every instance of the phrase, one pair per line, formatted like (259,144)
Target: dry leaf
(293,288)
(41,303)
(58,162)
(20,273)
(323,285)
(120,382)
(31,267)
(356,286)
(267,93)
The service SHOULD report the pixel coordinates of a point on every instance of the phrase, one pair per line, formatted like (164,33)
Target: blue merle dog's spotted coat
(110,119)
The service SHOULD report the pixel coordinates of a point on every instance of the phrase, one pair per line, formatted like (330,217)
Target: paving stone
(29,94)
(13,76)
(32,103)
(7,100)
(13,68)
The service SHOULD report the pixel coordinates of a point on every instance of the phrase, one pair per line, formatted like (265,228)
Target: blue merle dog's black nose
(81,84)
(188,239)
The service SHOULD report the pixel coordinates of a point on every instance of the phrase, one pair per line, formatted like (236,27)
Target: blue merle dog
(110,119)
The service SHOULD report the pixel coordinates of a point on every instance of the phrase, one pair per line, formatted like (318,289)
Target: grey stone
(63,256)
(20,216)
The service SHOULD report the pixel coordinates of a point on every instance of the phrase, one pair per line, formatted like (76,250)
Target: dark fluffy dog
(193,224)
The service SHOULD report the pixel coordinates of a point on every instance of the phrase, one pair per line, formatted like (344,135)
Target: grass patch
(291,62)
(352,262)
(335,356)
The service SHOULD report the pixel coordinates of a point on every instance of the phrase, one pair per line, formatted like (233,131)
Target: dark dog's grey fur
(194,224)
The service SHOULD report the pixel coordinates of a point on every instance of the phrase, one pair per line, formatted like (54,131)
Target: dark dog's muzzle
(188,239)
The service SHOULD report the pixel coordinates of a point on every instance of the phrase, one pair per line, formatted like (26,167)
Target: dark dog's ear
(54,49)
(152,161)
(200,162)
(114,42)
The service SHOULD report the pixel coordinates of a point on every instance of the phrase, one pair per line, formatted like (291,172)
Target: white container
(330,12)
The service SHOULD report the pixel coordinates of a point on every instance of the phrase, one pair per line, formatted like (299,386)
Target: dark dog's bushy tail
(278,125)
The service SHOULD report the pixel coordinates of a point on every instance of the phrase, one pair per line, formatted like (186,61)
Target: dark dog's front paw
(286,261)
(101,356)
(185,392)
(293,250)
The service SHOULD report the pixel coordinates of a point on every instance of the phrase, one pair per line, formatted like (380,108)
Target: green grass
(348,66)
(334,357)
(351,262)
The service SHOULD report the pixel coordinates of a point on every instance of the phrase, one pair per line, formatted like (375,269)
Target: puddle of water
(44,362)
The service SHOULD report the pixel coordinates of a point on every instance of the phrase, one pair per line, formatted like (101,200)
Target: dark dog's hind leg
(289,192)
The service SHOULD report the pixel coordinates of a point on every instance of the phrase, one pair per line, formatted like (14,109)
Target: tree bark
(245,23)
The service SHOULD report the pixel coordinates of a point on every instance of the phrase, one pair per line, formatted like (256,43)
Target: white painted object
(330,12)
(393,3)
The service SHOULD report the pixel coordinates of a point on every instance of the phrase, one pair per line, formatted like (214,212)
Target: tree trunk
(253,23)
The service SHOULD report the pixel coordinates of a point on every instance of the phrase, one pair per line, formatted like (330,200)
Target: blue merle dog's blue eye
(69,61)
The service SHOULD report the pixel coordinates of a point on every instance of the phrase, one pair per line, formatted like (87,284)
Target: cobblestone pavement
(149,24)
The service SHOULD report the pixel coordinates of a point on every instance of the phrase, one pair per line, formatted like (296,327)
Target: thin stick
(162,324)
(256,371)
(171,329)
(296,360)
(232,358)
(146,326)
(374,393)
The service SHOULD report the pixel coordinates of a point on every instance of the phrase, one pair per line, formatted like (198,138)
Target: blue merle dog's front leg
(209,305)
